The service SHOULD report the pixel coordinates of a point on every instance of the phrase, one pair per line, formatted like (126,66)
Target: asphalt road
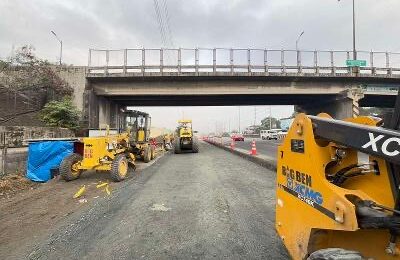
(210,205)
(264,147)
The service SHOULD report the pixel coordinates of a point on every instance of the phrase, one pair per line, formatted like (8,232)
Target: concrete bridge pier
(110,113)
(99,111)
(344,105)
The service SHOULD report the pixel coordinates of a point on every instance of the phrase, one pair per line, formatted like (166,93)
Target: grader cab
(138,124)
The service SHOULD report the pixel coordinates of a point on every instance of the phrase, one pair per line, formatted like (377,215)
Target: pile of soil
(13,183)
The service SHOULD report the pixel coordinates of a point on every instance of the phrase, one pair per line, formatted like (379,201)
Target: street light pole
(270,117)
(239,119)
(61,45)
(298,39)
(297,49)
(354,31)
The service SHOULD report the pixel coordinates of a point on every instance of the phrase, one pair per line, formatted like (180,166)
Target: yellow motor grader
(112,153)
(338,186)
(139,124)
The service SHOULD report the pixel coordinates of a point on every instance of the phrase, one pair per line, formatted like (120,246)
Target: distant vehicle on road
(270,134)
(237,137)
(283,132)
(185,138)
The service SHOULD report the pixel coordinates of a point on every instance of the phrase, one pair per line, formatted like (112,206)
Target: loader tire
(66,170)
(335,254)
(147,154)
(177,145)
(153,152)
(195,145)
(119,168)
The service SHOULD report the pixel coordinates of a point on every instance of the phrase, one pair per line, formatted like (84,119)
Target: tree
(31,82)
(275,123)
(25,71)
(61,114)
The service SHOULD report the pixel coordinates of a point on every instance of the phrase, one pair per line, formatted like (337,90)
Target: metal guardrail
(222,61)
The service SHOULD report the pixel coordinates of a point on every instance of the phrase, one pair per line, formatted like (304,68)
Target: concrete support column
(345,105)
(104,111)
(99,111)
(90,115)
(120,124)
(116,115)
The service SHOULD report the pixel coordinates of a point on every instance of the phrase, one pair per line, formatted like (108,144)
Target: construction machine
(110,153)
(338,188)
(139,124)
(184,137)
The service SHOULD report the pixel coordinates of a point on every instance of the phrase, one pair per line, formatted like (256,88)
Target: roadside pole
(3,160)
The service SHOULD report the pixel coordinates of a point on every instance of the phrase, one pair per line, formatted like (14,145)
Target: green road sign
(356,63)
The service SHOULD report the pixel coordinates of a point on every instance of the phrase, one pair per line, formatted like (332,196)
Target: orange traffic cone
(253,148)
(233,144)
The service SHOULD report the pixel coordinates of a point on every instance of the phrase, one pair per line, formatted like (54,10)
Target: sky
(272,24)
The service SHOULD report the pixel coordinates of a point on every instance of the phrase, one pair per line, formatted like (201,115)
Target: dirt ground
(12,184)
(31,210)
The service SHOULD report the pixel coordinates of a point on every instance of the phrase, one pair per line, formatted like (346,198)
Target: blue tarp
(46,155)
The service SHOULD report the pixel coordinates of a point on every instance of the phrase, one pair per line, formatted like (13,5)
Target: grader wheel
(147,154)
(68,170)
(119,168)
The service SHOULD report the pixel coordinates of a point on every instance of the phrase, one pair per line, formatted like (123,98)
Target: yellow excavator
(338,188)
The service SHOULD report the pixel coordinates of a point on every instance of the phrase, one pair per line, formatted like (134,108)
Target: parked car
(270,134)
(237,137)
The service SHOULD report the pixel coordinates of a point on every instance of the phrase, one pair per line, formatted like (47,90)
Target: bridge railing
(223,61)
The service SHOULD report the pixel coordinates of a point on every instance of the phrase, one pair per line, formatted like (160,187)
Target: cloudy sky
(196,23)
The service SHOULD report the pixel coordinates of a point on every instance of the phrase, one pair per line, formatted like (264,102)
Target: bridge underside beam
(216,100)
(107,109)
(344,105)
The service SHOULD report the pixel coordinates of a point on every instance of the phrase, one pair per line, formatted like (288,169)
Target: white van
(270,134)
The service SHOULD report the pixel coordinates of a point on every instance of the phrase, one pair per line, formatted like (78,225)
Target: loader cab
(138,124)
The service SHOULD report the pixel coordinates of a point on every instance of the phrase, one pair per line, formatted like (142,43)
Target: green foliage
(61,114)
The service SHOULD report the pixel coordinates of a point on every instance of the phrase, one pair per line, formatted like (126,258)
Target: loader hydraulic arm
(377,141)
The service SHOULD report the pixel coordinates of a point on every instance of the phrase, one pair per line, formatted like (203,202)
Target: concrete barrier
(13,160)
(264,161)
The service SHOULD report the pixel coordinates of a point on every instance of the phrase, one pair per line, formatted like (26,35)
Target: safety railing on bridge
(223,61)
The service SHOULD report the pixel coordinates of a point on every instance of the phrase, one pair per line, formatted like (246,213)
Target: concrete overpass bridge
(314,81)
